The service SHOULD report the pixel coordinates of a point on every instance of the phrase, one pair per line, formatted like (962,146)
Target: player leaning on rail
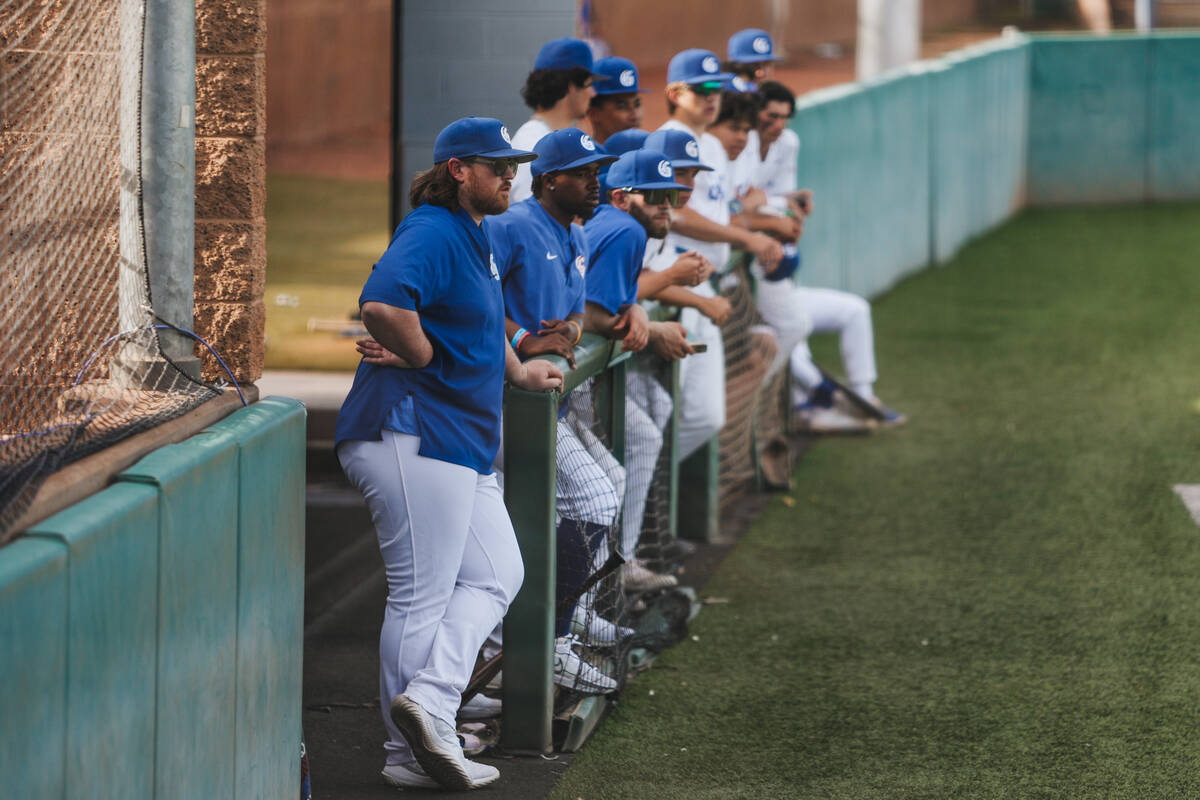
(417,435)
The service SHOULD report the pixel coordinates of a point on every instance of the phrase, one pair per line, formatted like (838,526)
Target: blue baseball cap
(740,85)
(751,46)
(615,75)
(624,141)
(565,53)
(642,169)
(567,149)
(680,148)
(695,66)
(476,136)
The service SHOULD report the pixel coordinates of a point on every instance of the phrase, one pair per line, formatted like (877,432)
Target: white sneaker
(572,672)
(480,707)
(408,776)
(596,630)
(639,579)
(436,747)
(832,420)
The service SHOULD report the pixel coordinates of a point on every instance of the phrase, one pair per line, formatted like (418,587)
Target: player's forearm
(596,319)
(651,283)
(679,297)
(399,330)
(694,225)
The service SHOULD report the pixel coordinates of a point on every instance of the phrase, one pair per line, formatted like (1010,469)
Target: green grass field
(323,236)
(999,600)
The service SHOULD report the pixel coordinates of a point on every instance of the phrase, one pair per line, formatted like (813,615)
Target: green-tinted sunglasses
(706,88)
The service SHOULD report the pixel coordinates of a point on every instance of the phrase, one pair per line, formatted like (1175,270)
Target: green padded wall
(270,597)
(197,622)
(33,668)
(1175,117)
(1088,119)
(111,539)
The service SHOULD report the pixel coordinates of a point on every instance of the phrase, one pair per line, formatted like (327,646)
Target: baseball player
(558,90)
(541,255)
(694,83)
(771,158)
(617,105)
(417,435)
(751,58)
(641,191)
(671,278)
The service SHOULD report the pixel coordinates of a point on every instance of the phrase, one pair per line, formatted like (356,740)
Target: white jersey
(526,137)
(711,197)
(775,174)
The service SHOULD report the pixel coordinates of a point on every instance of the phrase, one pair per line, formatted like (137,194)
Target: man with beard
(641,191)
(417,435)
(541,254)
(558,90)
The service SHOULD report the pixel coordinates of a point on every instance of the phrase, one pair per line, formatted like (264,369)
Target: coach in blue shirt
(417,436)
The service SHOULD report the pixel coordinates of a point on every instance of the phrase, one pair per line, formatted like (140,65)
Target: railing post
(699,496)
(530,436)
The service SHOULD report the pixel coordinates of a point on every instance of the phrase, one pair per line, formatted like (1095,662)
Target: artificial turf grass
(323,237)
(996,601)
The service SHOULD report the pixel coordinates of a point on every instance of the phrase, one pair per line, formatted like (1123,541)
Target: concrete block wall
(231,231)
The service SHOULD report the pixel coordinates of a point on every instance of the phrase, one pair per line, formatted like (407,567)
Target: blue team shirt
(541,264)
(438,264)
(617,243)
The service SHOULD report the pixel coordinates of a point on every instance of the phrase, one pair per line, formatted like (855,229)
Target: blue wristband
(517,337)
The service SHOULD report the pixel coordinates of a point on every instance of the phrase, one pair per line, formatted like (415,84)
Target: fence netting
(756,376)
(616,625)
(80,361)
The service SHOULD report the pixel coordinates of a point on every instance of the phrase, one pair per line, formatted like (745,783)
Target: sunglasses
(705,89)
(500,166)
(656,197)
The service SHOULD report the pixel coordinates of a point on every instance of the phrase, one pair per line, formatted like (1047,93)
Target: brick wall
(231,250)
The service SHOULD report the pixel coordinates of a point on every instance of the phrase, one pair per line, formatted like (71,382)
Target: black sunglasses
(656,197)
(500,166)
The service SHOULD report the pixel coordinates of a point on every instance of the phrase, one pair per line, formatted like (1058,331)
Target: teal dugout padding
(864,152)
(33,663)
(979,103)
(197,488)
(270,438)
(1174,162)
(1088,119)
(111,540)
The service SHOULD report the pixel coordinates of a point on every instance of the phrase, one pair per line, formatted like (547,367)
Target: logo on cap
(664,168)
(709,64)
(627,78)
(741,84)
(692,149)
(586,142)
(761,45)
(504,135)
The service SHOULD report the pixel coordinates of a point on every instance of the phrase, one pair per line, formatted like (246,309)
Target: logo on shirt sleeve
(581,265)
(492,265)
(715,192)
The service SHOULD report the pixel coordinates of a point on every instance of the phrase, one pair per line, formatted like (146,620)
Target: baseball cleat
(573,673)
(437,749)
(596,630)
(480,707)
(408,776)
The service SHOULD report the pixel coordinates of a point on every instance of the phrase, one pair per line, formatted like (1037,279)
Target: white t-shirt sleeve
(526,137)
(778,171)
